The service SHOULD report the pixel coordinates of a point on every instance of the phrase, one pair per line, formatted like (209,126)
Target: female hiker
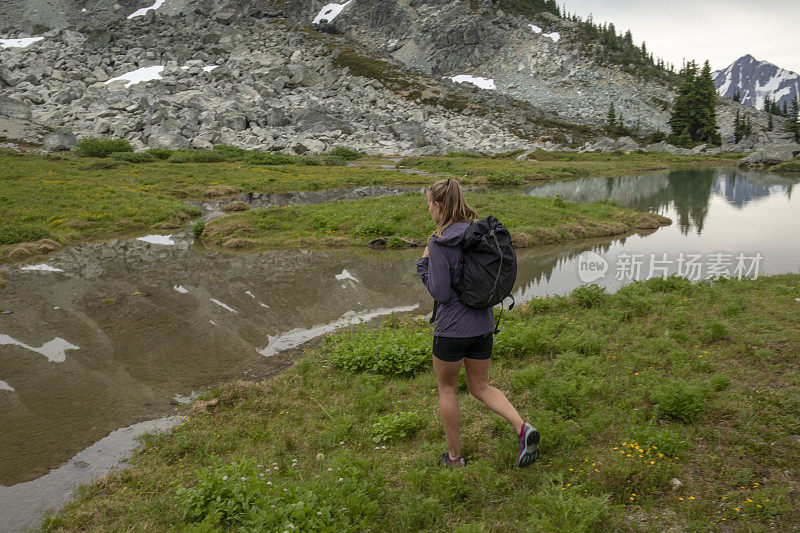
(462,332)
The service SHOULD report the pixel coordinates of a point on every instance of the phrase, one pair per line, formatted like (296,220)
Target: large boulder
(14,108)
(771,155)
(662,146)
(7,77)
(601,144)
(60,140)
(627,143)
(315,121)
(309,146)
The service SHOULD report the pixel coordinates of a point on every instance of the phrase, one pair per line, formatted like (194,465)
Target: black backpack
(488,266)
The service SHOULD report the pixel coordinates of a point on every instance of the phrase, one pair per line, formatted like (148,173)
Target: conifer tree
(693,117)
(736,96)
(794,119)
(611,117)
(737,127)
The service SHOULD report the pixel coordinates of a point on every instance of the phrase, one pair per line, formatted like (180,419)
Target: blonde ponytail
(453,205)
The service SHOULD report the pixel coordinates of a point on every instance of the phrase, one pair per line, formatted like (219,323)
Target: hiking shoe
(452,463)
(528,445)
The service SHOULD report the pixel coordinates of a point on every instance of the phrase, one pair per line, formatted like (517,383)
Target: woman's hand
(425,253)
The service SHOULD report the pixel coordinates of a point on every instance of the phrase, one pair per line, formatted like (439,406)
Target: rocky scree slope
(278,84)
(264,83)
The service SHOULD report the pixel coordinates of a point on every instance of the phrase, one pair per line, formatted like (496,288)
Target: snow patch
(42,267)
(142,12)
(181,289)
(54,350)
(209,68)
(139,75)
(19,43)
(723,89)
(483,83)
(535,28)
(329,12)
(345,275)
(555,36)
(5,386)
(296,337)
(166,240)
(224,306)
(262,304)
(250,294)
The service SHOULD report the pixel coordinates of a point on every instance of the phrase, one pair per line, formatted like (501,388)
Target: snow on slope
(755,80)
(483,83)
(329,12)
(142,12)
(19,43)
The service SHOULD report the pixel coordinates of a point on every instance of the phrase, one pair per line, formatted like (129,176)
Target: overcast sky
(721,31)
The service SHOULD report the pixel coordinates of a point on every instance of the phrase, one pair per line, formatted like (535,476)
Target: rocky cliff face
(370,75)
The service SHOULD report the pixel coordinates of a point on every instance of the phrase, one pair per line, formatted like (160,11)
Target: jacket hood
(453,234)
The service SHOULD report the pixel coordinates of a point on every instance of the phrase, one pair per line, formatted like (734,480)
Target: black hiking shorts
(451,349)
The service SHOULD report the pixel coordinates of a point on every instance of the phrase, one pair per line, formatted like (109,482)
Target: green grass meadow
(69,199)
(664,380)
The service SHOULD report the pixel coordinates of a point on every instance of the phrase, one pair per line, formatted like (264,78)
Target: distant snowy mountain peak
(755,80)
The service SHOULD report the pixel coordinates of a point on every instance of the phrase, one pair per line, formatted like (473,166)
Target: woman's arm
(434,271)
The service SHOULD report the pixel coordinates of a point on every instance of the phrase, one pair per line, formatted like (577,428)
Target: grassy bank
(661,381)
(530,221)
(546,166)
(68,199)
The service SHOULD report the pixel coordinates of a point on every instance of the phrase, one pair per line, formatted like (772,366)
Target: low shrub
(160,153)
(101,147)
(197,228)
(503,178)
(679,400)
(396,426)
(382,351)
(268,158)
(133,157)
(552,510)
(569,384)
(713,331)
(230,153)
(589,295)
(237,495)
(197,156)
(345,153)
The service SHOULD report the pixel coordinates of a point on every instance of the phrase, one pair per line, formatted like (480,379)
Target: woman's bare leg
(447,381)
(478,383)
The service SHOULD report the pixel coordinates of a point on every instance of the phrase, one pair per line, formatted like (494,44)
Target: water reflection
(687,193)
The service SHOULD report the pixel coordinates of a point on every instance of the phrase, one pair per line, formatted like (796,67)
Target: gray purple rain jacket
(440,272)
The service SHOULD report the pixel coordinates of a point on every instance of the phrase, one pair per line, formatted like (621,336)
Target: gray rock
(12,108)
(59,140)
(201,143)
(309,145)
(316,121)
(626,143)
(771,155)
(525,155)
(699,149)
(662,146)
(7,77)
(164,136)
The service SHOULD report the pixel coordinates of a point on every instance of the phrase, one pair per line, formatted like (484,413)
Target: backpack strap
(433,315)
(510,307)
